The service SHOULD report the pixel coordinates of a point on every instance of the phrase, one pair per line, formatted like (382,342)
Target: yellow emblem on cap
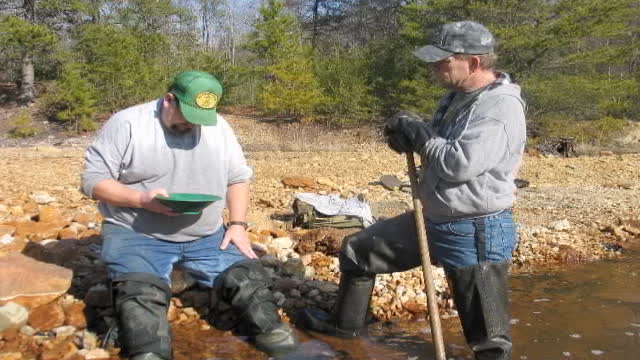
(207,100)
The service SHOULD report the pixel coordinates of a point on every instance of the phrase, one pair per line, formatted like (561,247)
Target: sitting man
(179,144)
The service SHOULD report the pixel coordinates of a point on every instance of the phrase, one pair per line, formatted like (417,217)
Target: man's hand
(238,236)
(406,132)
(148,202)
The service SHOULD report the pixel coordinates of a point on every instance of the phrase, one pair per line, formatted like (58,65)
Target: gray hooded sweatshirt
(472,159)
(137,150)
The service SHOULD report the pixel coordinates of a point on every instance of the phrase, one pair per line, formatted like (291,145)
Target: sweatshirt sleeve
(238,170)
(486,140)
(104,157)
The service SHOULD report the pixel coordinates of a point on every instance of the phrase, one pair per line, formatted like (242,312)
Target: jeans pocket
(509,234)
(461,228)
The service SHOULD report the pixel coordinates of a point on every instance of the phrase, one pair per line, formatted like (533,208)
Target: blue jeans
(392,245)
(125,251)
(469,242)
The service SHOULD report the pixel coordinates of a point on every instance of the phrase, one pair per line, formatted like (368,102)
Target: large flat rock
(31,283)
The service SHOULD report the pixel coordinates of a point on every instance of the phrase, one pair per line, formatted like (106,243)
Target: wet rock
(63,252)
(299,181)
(13,316)
(98,296)
(31,283)
(269,261)
(294,268)
(195,298)
(327,287)
(285,284)
(181,280)
(325,240)
(47,316)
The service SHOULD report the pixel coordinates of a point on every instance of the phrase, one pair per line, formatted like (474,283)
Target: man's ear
(474,64)
(169,97)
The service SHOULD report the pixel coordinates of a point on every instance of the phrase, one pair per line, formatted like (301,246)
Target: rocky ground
(54,304)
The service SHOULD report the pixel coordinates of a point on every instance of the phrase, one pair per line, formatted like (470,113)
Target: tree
(23,40)
(73,99)
(290,87)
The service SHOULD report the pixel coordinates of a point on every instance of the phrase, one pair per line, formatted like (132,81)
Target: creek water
(584,311)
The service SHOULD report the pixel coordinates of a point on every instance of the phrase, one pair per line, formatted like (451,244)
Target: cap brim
(205,117)
(432,54)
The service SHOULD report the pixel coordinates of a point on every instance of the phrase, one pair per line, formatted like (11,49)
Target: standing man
(177,144)
(471,152)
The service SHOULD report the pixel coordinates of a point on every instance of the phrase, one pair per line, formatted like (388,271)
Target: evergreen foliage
(22,127)
(290,87)
(19,37)
(73,100)
(341,61)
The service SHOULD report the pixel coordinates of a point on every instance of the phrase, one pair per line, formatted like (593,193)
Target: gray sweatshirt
(135,149)
(471,162)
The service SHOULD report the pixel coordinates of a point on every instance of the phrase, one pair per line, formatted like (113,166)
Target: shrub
(73,100)
(22,127)
(597,132)
(347,96)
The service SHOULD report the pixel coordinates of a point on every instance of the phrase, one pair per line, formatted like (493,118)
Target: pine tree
(290,88)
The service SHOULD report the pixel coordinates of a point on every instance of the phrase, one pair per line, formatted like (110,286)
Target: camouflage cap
(463,37)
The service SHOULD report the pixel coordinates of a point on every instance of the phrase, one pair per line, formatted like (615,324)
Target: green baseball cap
(198,94)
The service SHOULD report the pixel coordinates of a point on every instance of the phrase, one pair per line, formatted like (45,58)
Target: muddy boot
(481,297)
(141,302)
(243,301)
(350,310)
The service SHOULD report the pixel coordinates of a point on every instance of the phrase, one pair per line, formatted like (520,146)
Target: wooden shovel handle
(432,304)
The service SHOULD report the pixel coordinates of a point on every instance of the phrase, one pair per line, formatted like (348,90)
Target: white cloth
(333,204)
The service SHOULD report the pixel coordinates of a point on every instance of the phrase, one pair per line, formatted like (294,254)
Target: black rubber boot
(243,301)
(350,310)
(141,302)
(481,297)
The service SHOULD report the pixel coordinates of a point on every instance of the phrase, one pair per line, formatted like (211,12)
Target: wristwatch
(241,223)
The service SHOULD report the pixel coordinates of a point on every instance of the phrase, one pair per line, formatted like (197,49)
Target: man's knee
(136,286)
(350,254)
(141,302)
(242,283)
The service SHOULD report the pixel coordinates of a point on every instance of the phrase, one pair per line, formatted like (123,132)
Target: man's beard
(181,129)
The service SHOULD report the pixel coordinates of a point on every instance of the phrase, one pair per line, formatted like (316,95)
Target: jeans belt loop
(481,241)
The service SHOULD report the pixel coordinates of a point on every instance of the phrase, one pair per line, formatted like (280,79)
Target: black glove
(406,132)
